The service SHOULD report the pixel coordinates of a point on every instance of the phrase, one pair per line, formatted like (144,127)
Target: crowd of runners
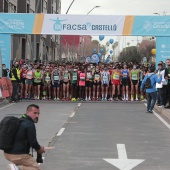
(68,81)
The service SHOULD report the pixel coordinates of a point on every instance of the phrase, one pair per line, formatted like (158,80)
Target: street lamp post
(82,36)
(34,40)
(93,9)
(156,13)
(70,6)
(60,56)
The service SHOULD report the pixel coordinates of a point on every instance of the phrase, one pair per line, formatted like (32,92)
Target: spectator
(152,94)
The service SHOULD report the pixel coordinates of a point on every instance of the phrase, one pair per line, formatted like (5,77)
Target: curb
(4,102)
(164,112)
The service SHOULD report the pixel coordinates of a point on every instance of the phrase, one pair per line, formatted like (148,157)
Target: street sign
(123,163)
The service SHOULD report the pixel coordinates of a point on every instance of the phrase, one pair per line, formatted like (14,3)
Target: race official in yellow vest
(15,79)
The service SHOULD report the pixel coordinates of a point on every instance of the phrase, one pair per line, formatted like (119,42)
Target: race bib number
(82,78)
(56,78)
(96,77)
(29,75)
(105,78)
(134,77)
(124,74)
(24,75)
(89,76)
(74,78)
(117,77)
(47,79)
(65,76)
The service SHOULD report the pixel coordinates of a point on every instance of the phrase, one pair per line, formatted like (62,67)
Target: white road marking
(123,163)
(7,106)
(79,104)
(60,132)
(161,119)
(72,114)
(121,151)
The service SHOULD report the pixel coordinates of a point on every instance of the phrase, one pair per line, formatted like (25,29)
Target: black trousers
(15,91)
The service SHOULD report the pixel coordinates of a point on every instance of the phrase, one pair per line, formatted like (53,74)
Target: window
(28,8)
(11,8)
(45,4)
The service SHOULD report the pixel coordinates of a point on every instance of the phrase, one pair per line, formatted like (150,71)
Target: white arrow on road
(123,163)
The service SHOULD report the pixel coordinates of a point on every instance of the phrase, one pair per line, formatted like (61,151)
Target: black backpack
(8,129)
(148,83)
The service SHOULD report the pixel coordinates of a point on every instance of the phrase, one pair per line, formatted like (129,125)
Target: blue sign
(162,49)
(88,59)
(5,47)
(108,59)
(19,24)
(151,25)
(95,58)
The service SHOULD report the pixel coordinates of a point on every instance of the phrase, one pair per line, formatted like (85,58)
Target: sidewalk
(4,102)
(164,112)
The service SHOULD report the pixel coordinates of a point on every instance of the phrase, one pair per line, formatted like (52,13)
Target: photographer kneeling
(25,138)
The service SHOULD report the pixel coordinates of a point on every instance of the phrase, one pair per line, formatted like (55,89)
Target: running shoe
(55,99)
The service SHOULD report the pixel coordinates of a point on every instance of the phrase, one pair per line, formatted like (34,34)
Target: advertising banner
(5,48)
(162,49)
(59,24)
(16,23)
(151,26)
(83,25)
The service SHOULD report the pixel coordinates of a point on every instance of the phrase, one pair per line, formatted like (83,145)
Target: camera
(39,158)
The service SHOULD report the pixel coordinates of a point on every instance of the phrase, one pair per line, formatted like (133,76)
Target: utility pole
(60,56)
(34,41)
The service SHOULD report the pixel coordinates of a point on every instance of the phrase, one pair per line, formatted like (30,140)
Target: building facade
(33,47)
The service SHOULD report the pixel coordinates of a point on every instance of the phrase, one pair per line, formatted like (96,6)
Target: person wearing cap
(151,92)
(105,79)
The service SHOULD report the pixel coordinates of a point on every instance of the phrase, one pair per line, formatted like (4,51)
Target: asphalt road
(98,136)
(97,130)
(53,116)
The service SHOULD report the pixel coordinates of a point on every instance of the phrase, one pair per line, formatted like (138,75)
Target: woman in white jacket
(161,87)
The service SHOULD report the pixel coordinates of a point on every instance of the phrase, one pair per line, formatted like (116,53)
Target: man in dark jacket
(25,139)
(4,71)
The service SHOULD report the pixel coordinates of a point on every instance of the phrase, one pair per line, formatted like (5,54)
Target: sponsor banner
(162,49)
(5,49)
(6,87)
(151,26)
(84,24)
(17,23)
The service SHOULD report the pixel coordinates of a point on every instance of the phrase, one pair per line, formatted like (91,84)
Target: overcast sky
(117,7)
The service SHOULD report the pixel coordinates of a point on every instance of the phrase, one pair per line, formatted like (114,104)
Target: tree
(128,44)
(130,54)
(145,48)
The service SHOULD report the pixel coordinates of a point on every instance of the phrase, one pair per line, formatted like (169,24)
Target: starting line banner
(84,24)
